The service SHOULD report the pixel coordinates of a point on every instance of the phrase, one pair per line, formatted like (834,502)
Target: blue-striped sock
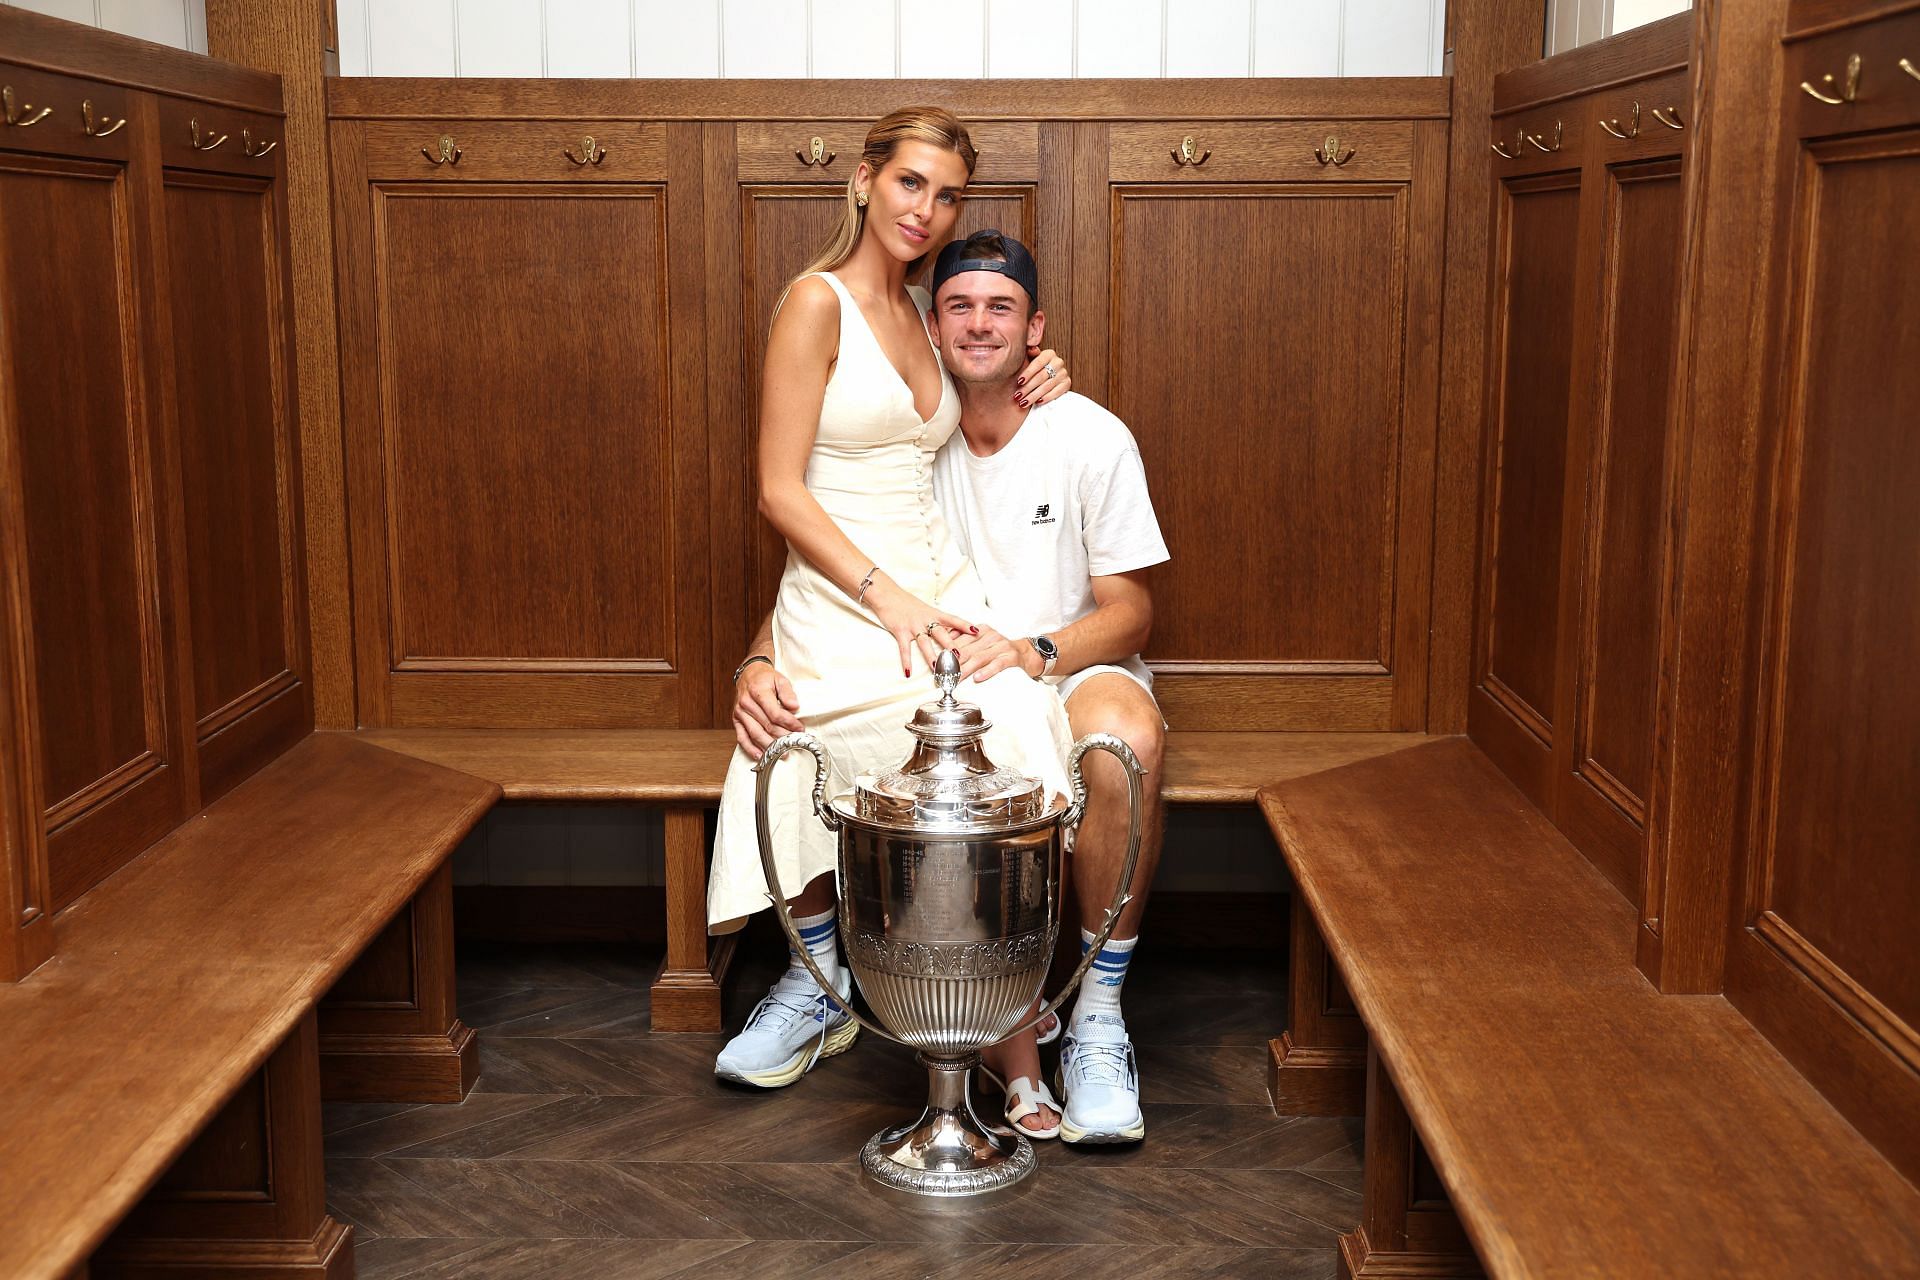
(823,944)
(1100,990)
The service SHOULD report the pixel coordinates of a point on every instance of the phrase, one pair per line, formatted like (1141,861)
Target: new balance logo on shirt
(1041,513)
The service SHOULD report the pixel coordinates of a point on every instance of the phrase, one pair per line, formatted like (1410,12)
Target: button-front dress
(871,469)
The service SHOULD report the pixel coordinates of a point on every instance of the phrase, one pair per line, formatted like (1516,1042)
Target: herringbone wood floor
(591,1148)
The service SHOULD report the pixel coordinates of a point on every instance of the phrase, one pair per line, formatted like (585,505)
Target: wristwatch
(1049,654)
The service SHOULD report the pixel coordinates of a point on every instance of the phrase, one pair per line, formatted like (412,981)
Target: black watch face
(1045,646)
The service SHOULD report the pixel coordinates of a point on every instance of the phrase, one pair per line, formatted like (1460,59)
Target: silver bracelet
(751,659)
(866,582)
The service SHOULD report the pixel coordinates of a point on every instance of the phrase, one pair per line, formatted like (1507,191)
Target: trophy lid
(948,784)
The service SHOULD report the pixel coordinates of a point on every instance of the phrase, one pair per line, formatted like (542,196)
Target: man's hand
(988,654)
(764,707)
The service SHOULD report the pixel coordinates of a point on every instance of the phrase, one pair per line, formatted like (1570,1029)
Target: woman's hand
(764,707)
(914,623)
(1034,385)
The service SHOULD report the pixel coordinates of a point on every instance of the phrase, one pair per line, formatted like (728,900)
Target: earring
(860,198)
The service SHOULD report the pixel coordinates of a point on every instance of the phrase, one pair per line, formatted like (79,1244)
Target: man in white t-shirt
(1051,503)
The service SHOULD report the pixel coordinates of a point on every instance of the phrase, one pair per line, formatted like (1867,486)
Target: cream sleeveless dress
(872,470)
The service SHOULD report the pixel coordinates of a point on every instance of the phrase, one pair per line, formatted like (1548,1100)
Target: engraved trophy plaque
(949,877)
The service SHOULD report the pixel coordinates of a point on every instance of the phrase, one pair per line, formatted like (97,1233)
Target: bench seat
(681,772)
(177,978)
(1583,1124)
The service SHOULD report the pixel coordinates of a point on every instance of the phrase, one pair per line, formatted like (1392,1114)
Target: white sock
(1100,989)
(823,944)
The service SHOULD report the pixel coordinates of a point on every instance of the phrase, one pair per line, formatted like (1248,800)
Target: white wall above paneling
(1030,39)
(941,41)
(180,23)
(1294,39)
(1572,23)
(500,38)
(1210,39)
(882,39)
(675,38)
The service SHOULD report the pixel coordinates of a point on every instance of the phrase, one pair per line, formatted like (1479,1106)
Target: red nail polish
(975,630)
(1020,381)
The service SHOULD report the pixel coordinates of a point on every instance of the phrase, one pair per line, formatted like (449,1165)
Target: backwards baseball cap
(971,255)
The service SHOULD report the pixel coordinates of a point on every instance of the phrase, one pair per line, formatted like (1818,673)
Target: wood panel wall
(152,511)
(1825,957)
(1589,149)
(551,401)
(1699,588)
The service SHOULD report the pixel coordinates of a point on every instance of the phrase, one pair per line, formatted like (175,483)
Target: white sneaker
(793,1027)
(1101,1083)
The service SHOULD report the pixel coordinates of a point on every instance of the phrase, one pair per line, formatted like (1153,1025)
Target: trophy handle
(828,818)
(1071,818)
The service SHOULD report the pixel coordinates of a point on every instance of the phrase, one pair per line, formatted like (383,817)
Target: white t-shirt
(1064,502)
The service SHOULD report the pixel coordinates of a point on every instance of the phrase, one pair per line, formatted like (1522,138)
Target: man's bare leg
(1101,1094)
(1112,703)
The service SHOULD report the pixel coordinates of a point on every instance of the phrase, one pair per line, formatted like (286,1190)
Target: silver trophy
(950,892)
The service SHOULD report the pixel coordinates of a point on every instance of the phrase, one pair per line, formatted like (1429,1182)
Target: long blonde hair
(935,126)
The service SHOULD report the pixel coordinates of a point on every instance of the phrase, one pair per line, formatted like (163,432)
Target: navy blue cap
(1018,266)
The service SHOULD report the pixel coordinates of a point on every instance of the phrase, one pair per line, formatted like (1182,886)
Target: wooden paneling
(1613,525)
(1285,417)
(1347,471)
(281,38)
(151,510)
(530,476)
(1827,963)
(26,918)
(1484,37)
(1536,243)
(235,428)
(1589,228)
(94,554)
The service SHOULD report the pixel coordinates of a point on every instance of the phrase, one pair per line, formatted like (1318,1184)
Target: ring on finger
(1050,371)
(931,626)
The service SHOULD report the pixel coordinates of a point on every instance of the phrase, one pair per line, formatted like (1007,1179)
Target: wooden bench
(681,770)
(1581,1123)
(175,1032)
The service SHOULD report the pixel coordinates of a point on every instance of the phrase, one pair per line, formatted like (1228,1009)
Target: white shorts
(1065,685)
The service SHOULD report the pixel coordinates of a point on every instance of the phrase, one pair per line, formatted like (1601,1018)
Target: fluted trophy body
(949,877)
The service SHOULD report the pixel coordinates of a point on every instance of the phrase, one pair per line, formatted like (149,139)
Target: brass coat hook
(1849,88)
(1534,138)
(17,116)
(816,153)
(1186,153)
(1668,116)
(1907,66)
(590,152)
(448,153)
(97,126)
(247,145)
(1328,152)
(1519,144)
(193,128)
(1631,131)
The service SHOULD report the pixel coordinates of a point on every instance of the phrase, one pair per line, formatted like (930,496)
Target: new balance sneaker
(795,1026)
(1101,1083)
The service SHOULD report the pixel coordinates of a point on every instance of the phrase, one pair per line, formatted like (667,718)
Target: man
(1051,504)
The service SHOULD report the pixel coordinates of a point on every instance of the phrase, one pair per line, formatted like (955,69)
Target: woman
(854,405)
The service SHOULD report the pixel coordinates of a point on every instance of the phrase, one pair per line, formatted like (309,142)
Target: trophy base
(949,1150)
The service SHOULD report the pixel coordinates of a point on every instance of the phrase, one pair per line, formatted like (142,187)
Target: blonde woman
(854,404)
